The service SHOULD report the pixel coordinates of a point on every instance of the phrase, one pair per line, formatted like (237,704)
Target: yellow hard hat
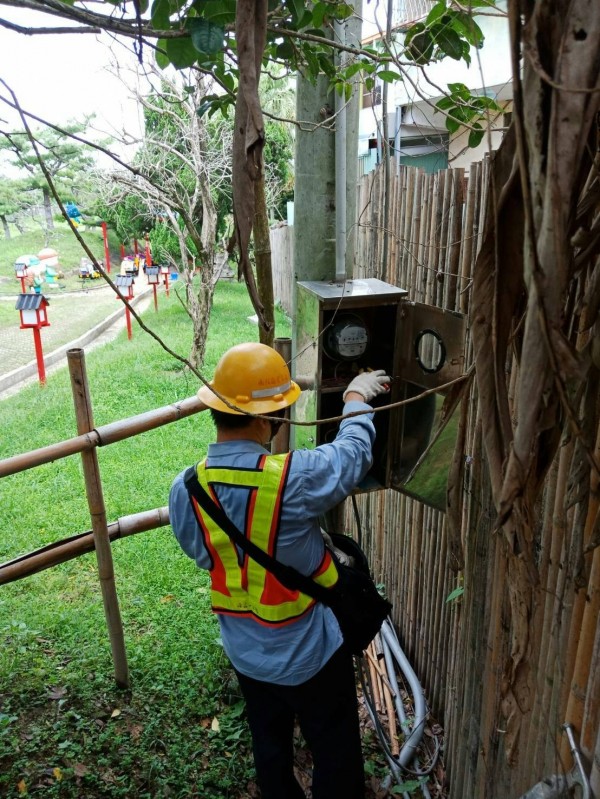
(253,377)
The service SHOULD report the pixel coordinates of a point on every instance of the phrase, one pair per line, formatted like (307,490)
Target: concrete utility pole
(322,157)
(326,166)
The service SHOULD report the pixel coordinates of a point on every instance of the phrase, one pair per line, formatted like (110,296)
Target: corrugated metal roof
(31,302)
(124,280)
(152,270)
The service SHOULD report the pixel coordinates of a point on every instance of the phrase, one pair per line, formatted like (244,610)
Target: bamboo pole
(102,436)
(68,548)
(281,440)
(374,679)
(554,600)
(93,486)
(441,265)
(455,240)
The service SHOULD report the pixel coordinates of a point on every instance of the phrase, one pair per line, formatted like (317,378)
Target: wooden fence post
(93,488)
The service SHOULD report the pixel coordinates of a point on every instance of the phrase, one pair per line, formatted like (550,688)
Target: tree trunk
(48,209)
(262,254)
(200,309)
(5,226)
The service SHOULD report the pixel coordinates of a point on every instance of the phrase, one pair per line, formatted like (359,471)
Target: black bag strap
(288,576)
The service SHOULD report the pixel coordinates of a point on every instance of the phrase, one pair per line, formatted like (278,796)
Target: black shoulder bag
(358,606)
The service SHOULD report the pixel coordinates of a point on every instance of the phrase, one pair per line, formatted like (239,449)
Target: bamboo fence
(458,648)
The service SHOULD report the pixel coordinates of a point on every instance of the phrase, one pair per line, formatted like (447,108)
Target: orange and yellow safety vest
(239,585)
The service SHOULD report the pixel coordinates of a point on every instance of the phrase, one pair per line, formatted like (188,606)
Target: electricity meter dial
(347,339)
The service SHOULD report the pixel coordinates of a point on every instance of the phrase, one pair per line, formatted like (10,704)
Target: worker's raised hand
(369,384)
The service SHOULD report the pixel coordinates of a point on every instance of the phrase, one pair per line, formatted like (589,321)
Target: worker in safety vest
(286,648)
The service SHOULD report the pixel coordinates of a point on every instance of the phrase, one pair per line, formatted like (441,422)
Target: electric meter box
(358,325)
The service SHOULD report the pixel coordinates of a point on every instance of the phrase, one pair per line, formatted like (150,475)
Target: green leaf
(407,786)
(449,42)
(452,124)
(466,26)
(419,27)
(298,9)
(459,90)
(389,76)
(316,32)
(445,103)
(284,50)
(181,52)
(218,11)
(352,69)
(160,16)
(326,64)
(162,59)
(319,12)
(421,48)
(342,11)
(436,12)
(475,136)
(312,61)
(458,591)
(207,37)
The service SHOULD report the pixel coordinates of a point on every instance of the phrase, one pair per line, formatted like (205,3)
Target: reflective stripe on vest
(240,585)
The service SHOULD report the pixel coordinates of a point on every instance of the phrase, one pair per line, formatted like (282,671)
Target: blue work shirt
(318,480)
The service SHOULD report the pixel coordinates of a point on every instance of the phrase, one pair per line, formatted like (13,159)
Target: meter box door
(433,342)
(432,355)
(343,329)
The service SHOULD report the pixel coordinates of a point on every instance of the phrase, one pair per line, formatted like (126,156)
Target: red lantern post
(21,274)
(153,280)
(106,250)
(125,282)
(32,308)
(164,270)
(148,256)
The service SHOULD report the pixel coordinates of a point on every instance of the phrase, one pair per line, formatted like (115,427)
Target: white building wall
(489,73)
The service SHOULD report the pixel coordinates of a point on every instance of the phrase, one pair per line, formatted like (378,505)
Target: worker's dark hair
(230,421)
(237,421)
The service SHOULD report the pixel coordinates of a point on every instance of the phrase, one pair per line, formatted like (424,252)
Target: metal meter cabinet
(343,328)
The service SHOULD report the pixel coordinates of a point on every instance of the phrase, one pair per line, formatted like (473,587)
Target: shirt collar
(235,448)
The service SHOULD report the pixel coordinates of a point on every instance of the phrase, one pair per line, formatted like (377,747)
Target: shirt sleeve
(184,524)
(328,473)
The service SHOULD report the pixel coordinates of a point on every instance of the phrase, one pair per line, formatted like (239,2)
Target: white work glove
(369,384)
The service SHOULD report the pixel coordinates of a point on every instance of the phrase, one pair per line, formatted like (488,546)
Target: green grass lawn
(65,729)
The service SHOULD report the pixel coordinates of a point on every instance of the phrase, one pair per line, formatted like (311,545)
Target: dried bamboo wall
(282,257)
(460,648)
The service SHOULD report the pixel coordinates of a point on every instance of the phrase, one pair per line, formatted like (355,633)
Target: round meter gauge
(347,339)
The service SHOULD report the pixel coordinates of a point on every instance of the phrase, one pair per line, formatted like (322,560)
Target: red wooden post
(128,321)
(106,251)
(155,297)
(39,355)
(135,247)
(148,256)
(122,251)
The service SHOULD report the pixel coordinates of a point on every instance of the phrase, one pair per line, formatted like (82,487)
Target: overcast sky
(63,77)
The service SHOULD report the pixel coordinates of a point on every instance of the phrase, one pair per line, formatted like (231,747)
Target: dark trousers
(326,709)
